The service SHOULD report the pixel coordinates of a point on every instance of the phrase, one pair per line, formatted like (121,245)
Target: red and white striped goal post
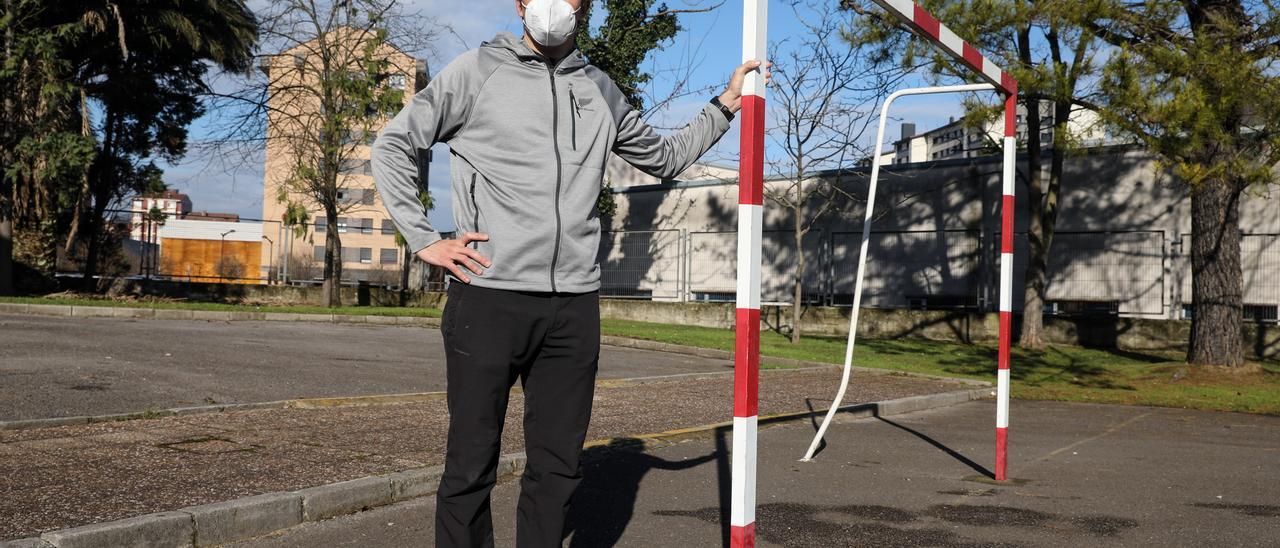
(925,25)
(751,218)
(746,359)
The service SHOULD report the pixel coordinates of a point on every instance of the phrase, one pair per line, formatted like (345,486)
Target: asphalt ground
(58,477)
(61,367)
(1083,475)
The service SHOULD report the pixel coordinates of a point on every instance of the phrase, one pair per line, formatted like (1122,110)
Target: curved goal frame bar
(862,251)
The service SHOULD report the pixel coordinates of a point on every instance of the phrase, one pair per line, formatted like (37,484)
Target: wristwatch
(728,114)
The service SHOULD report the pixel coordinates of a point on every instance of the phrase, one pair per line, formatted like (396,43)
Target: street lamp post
(271,250)
(222,255)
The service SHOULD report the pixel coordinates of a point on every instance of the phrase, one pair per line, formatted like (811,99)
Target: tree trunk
(1044,218)
(6,248)
(797,293)
(1038,234)
(1217,283)
(332,288)
(6,209)
(405,263)
(100,188)
(1037,244)
(798,290)
(93,235)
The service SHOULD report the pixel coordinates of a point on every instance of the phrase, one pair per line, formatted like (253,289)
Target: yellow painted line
(320,403)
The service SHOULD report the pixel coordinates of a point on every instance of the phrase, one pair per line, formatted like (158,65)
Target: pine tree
(1196,83)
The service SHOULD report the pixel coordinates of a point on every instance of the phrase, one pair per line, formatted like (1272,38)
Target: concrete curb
(208,315)
(245,518)
(25,424)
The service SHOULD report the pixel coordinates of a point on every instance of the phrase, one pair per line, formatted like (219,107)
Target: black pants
(551,342)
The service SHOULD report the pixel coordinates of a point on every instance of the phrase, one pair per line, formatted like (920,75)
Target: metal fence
(1140,273)
(642,264)
(713,264)
(911,268)
(1121,272)
(1260,254)
(1134,273)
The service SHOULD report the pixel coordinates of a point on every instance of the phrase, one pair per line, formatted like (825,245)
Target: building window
(320,253)
(350,254)
(321,224)
(388,256)
(388,227)
(366,255)
(342,225)
(356,166)
(366,226)
(396,81)
(1261,313)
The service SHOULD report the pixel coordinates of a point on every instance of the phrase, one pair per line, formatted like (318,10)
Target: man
(529,125)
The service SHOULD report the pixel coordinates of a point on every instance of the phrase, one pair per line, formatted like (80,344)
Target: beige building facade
(369,250)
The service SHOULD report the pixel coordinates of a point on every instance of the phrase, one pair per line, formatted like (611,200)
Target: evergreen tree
(1196,82)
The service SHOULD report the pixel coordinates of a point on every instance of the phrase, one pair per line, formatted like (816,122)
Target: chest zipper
(573,118)
(475,208)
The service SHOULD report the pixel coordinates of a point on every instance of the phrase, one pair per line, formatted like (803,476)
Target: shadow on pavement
(949,451)
(605,500)
(605,504)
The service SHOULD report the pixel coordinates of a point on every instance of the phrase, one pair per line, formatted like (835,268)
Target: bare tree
(823,98)
(339,70)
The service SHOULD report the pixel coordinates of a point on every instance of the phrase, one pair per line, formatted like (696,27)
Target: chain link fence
(1260,254)
(644,264)
(1133,273)
(713,264)
(915,269)
(1094,272)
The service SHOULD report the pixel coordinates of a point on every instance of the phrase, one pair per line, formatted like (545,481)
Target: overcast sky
(710,45)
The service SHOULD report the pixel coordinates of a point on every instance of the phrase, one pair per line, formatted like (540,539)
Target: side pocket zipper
(475,207)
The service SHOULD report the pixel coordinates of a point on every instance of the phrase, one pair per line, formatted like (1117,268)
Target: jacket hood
(506,41)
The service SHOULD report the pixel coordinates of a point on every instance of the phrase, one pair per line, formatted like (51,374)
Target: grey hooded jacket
(528,144)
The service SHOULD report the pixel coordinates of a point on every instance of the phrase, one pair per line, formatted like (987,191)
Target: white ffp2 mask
(550,22)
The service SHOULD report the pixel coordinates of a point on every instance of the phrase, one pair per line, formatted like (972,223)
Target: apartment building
(174,205)
(955,140)
(369,250)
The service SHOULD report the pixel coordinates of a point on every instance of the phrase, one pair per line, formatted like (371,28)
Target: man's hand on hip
(450,254)
(732,96)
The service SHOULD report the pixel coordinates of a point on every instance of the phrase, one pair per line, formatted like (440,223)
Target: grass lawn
(1062,373)
(189,305)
